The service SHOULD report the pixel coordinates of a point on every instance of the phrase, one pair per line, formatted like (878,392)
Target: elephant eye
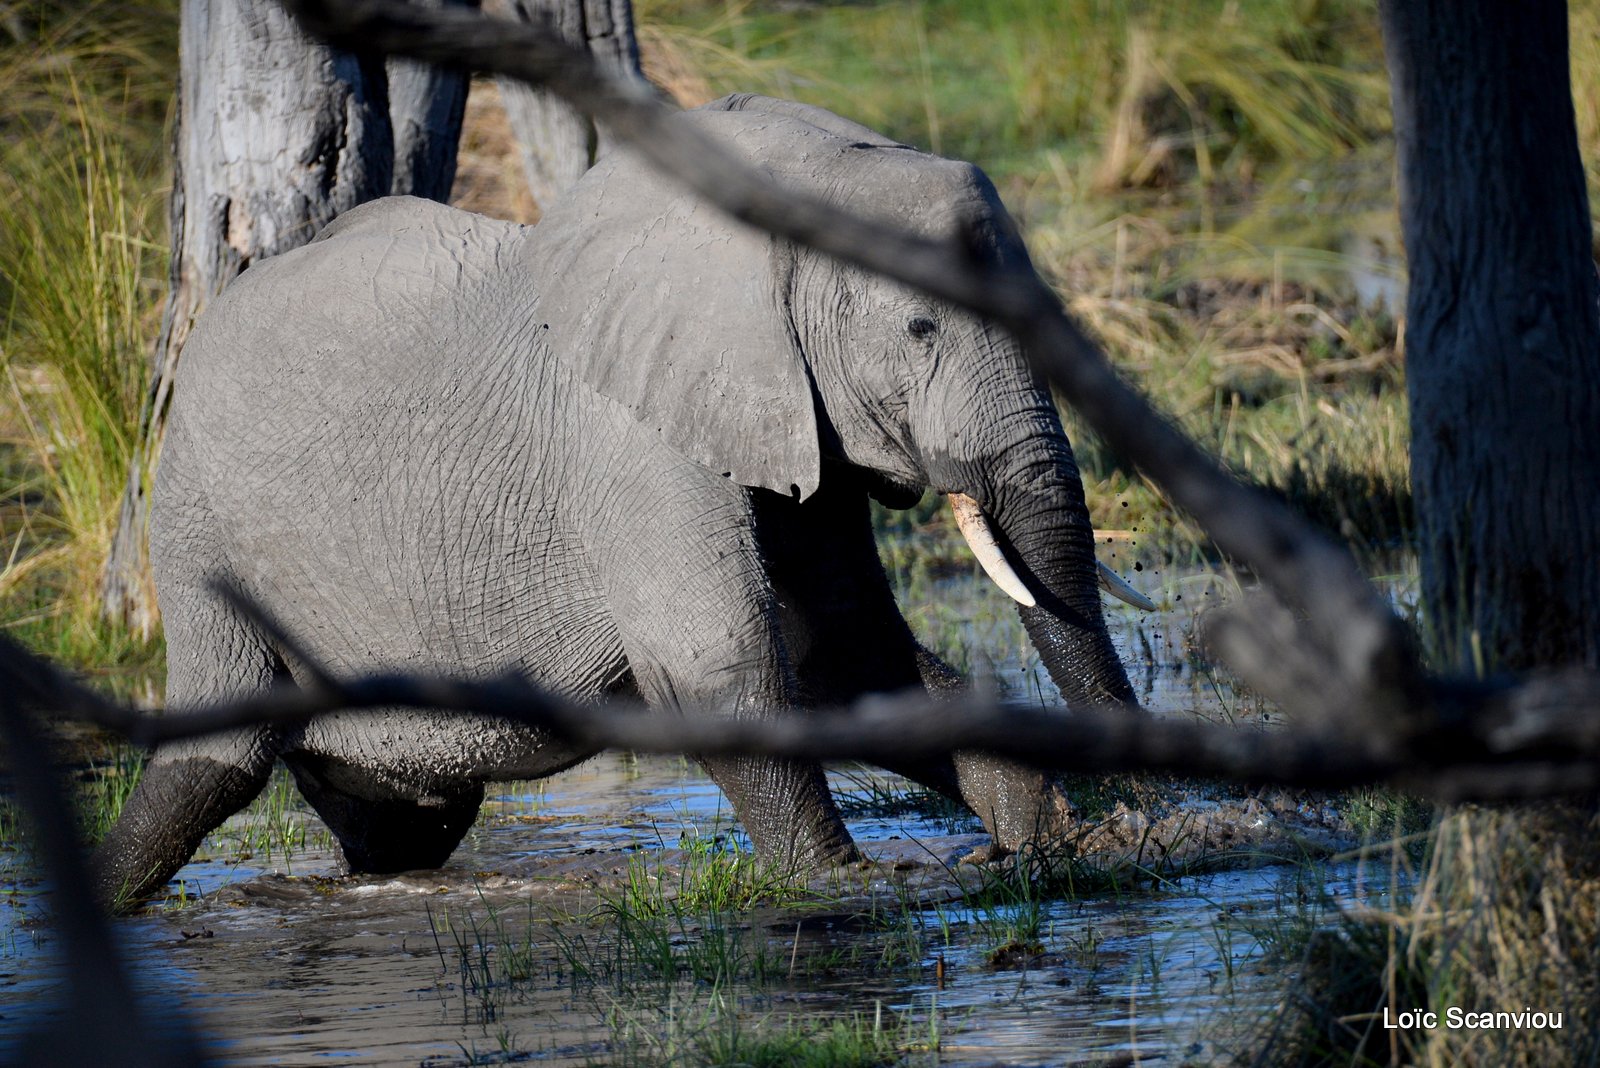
(922,327)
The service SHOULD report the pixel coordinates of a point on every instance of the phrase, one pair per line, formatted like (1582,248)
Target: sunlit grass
(1224,86)
(83,96)
(1263,355)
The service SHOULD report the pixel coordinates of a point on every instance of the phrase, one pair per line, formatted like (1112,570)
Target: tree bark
(426,105)
(275,136)
(1502,332)
(557,143)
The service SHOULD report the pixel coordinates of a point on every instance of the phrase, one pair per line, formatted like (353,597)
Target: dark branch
(1503,743)
(100,1014)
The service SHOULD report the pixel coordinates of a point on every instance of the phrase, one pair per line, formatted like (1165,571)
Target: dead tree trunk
(426,104)
(1502,332)
(557,143)
(275,136)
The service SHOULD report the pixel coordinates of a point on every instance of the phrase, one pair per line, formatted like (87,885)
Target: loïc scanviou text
(1459,1019)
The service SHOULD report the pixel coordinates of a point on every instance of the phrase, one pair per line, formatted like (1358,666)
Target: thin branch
(1503,757)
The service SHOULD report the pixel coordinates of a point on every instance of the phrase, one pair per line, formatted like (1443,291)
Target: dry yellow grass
(489,178)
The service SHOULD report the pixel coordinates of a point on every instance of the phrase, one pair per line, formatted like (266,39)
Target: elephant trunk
(1066,625)
(1041,541)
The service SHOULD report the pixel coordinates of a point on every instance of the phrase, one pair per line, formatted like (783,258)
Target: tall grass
(1261,353)
(1001,81)
(83,97)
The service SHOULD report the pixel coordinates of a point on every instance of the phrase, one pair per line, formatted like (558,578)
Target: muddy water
(515,950)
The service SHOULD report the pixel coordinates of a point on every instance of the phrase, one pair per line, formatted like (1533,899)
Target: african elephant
(627,449)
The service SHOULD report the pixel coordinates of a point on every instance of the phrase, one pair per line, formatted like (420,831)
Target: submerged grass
(100,784)
(278,826)
(679,916)
(873,797)
(713,1031)
(705,874)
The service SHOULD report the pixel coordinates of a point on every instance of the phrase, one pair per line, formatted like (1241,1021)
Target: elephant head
(768,363)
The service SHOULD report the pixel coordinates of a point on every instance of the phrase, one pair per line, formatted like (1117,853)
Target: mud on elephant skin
(629,448)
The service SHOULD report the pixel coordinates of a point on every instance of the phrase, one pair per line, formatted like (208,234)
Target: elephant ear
(680,314)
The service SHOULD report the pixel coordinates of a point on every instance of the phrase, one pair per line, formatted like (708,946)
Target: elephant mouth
(981,539)
(892,492)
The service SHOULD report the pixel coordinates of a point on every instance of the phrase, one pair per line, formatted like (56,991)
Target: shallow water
(289,969)
(511,949)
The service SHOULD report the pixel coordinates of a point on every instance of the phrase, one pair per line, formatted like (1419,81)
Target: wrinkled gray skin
(627,449)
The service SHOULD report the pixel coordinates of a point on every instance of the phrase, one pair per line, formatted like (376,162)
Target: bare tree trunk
(1502,332)
(558,144)
(275,136)
(426,105)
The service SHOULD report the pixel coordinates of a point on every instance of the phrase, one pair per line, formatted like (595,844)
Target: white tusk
(980,538)
(1118,587)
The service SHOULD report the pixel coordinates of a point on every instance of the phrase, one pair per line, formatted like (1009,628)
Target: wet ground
(582,920)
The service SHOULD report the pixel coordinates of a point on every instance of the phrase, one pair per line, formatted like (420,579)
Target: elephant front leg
(848,638)
(190,787)
(695,610)
(1019,806)
(787,810)
(785,806)
(186,791)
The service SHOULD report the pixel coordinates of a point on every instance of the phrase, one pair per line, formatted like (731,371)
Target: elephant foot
(786,810)
(382,837)
(1021,808)
(181,798)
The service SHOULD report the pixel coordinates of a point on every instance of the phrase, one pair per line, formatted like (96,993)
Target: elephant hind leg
(190,787)
(381,835)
